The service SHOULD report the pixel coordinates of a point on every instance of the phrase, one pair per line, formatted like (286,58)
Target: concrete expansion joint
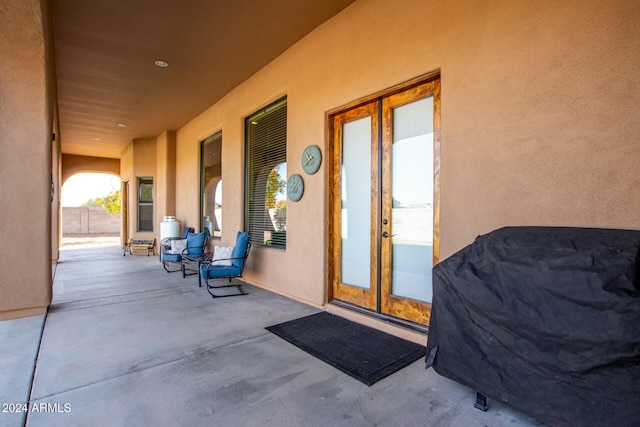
(134,369)
(116,273)
(35,366)
(117,299)
(205,350)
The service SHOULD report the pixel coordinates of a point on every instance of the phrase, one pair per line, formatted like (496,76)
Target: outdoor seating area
(137,346)
(189,255)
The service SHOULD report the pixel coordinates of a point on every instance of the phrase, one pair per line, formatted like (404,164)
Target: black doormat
(366,354)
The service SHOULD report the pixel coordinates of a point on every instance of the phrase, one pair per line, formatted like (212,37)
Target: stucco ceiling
(105,52)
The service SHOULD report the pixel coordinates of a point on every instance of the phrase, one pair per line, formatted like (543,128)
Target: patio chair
(193,245)
(184,234)
(227,268)
(165,244)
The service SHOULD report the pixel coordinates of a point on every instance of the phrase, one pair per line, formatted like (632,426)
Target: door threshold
(391,325)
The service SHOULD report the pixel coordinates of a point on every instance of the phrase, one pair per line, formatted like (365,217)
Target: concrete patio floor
(127,344)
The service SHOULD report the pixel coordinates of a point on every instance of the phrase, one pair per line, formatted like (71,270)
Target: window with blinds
(145,204)
(266,175)
(211,185)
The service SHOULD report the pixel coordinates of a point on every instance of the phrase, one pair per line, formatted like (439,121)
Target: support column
(26,117)
(165,177)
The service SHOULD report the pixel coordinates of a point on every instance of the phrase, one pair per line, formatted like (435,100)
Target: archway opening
(91,212)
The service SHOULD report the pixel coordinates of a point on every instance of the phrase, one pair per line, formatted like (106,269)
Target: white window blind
(266,172)
(145,204)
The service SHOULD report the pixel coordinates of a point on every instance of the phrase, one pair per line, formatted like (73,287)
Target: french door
(385,202)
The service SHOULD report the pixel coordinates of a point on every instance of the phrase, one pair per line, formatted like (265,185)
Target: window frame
(141,203)
(216,138)
(262,156)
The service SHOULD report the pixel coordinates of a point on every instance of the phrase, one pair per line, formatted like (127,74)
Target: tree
(111,202)
(92,203)
(275,186)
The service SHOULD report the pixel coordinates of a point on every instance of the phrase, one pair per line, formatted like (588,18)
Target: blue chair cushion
(171,257)
(242,239)
(213,271)
(195,243)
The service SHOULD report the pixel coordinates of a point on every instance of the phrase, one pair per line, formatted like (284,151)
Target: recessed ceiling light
(122,125)
(162,64)
(95,139)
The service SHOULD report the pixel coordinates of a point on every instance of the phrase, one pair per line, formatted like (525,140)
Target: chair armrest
(185,251)
(211,262)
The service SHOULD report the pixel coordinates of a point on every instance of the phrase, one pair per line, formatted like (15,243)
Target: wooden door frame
(413,310)
(366,298)
(333,168)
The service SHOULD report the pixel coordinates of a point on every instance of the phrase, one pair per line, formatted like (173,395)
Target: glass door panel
(355,206)
(356,203)
(412,198)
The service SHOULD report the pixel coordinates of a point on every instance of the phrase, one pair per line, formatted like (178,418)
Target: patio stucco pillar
(165,178)
(26,119)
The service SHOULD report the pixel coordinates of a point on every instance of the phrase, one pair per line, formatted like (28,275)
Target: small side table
(191,264)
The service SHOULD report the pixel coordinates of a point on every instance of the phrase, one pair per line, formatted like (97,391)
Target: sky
(85,186)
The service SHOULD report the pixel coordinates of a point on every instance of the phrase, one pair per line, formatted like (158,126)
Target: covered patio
(125,343)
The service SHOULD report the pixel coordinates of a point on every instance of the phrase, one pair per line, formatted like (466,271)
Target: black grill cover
(545,319)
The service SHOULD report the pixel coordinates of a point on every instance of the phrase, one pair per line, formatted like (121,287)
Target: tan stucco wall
(138,160)
(56,203)
(73,164)
(540,117)
(52,96)
(126,172)
(156,158)
(126,163)
(165,183)
(26,123)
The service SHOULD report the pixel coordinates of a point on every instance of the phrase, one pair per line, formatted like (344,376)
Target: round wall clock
(295,187)
(311,159)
